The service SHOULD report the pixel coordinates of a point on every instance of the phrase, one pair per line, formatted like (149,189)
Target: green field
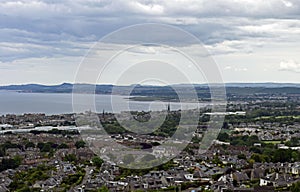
(272,142)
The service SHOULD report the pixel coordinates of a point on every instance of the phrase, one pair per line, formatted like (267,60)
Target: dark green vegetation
(73,179)
(167,129)
(22,180)
(295,187)
(10,163)
(56,132)
(80,144)
(97,161)
(127,172)
(265,112)
(268,152)
(8,145)
(44,147)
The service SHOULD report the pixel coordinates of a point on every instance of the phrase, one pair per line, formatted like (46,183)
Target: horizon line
(109,84)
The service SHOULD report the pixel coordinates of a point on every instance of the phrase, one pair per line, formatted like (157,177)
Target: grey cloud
(16,44)
(54,24)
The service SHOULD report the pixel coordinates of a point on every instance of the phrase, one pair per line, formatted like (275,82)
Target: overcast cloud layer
(251,40)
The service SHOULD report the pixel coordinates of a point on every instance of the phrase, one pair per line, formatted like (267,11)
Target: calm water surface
(56,103)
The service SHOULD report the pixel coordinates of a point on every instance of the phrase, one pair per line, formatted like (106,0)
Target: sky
(45,41)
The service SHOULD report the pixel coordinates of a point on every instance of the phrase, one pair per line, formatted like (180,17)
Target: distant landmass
(267,85)
(148,92)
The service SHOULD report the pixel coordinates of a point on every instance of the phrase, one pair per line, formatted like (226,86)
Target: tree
(46,147)
(8,145)
(63,146)
(29,145)
(10,163)
(295,187)
(256,157)
(255,150)
(294,142)
(282,155)
(295,156)
(70,158)
(251,162)
(80,144)
(241,156)
(97,161)
(223,137)
(73,179)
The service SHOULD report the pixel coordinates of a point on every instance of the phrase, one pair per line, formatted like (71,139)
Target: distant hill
(63,88)
(159,91)
(267,85)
